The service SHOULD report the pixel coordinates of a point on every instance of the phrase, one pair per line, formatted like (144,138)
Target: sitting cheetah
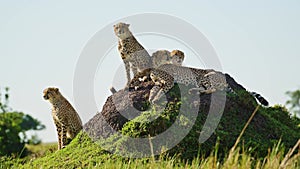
(132,52)
(67,121)
(159,58)
(205,81)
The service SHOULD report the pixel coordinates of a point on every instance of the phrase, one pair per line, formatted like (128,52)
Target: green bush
(13,128)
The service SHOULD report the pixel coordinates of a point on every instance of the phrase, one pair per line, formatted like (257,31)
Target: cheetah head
(177,57)
(122,30)
(161,53)
(160,57)
(50,93)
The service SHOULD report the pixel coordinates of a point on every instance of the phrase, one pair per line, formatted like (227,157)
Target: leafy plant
(13,128)
(294,102)
(268,126)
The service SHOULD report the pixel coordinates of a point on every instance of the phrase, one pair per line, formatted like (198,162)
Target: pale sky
(257,43)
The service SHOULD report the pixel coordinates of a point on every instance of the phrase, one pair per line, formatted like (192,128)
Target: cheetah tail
(261,99)
(113,90)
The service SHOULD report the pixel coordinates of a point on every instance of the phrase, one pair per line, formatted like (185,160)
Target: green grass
(233,145)
(83,153)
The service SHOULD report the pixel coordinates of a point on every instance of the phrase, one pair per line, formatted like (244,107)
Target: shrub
(13,127)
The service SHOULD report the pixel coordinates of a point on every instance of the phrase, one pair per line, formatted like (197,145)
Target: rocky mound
(121,110)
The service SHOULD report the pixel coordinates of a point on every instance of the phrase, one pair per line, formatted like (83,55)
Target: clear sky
(256,41)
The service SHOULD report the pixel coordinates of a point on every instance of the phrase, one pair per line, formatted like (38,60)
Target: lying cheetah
(132,52)
(162,57)
(177,57)
(205,81)
(67,121)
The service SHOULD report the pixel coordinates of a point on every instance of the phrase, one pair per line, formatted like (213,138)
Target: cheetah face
(177,57)
(177,61)
(50,93)
(122,30)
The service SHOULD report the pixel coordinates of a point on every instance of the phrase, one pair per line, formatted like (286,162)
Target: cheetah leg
(64,136)
(127,68)
(157,92)
(134,70)
(163,83)
(153,93)
(59,130)
(142,79)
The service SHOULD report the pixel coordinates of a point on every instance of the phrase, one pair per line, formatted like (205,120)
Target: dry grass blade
(151,147)
(287,158)
(242,132)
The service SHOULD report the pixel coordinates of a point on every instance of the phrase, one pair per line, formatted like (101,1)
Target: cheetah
(67,121)
(205,81)
(162,57)
(133,54)
(177,57)
(159,58)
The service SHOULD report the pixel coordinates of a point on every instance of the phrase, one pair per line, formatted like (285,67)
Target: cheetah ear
(56,89)
(127,25)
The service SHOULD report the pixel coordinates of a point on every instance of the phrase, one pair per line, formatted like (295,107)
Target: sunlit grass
(83,153)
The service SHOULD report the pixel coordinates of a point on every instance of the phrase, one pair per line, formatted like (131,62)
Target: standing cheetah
(67,121)
(132,52)
(205,81)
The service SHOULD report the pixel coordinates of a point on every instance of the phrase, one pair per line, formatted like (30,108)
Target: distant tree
(4,101)
(13,128)
(294,102)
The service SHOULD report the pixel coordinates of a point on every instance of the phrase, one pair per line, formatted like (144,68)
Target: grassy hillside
(83,153)
(269,125)
(271,139)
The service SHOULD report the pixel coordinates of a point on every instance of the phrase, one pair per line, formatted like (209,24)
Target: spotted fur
(177,57)
(133,54)
(205,81)
(67,121)
(162,57)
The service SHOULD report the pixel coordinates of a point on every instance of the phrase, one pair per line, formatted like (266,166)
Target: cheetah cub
(67,121)
(177,57)
(133,54)
(162,57)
